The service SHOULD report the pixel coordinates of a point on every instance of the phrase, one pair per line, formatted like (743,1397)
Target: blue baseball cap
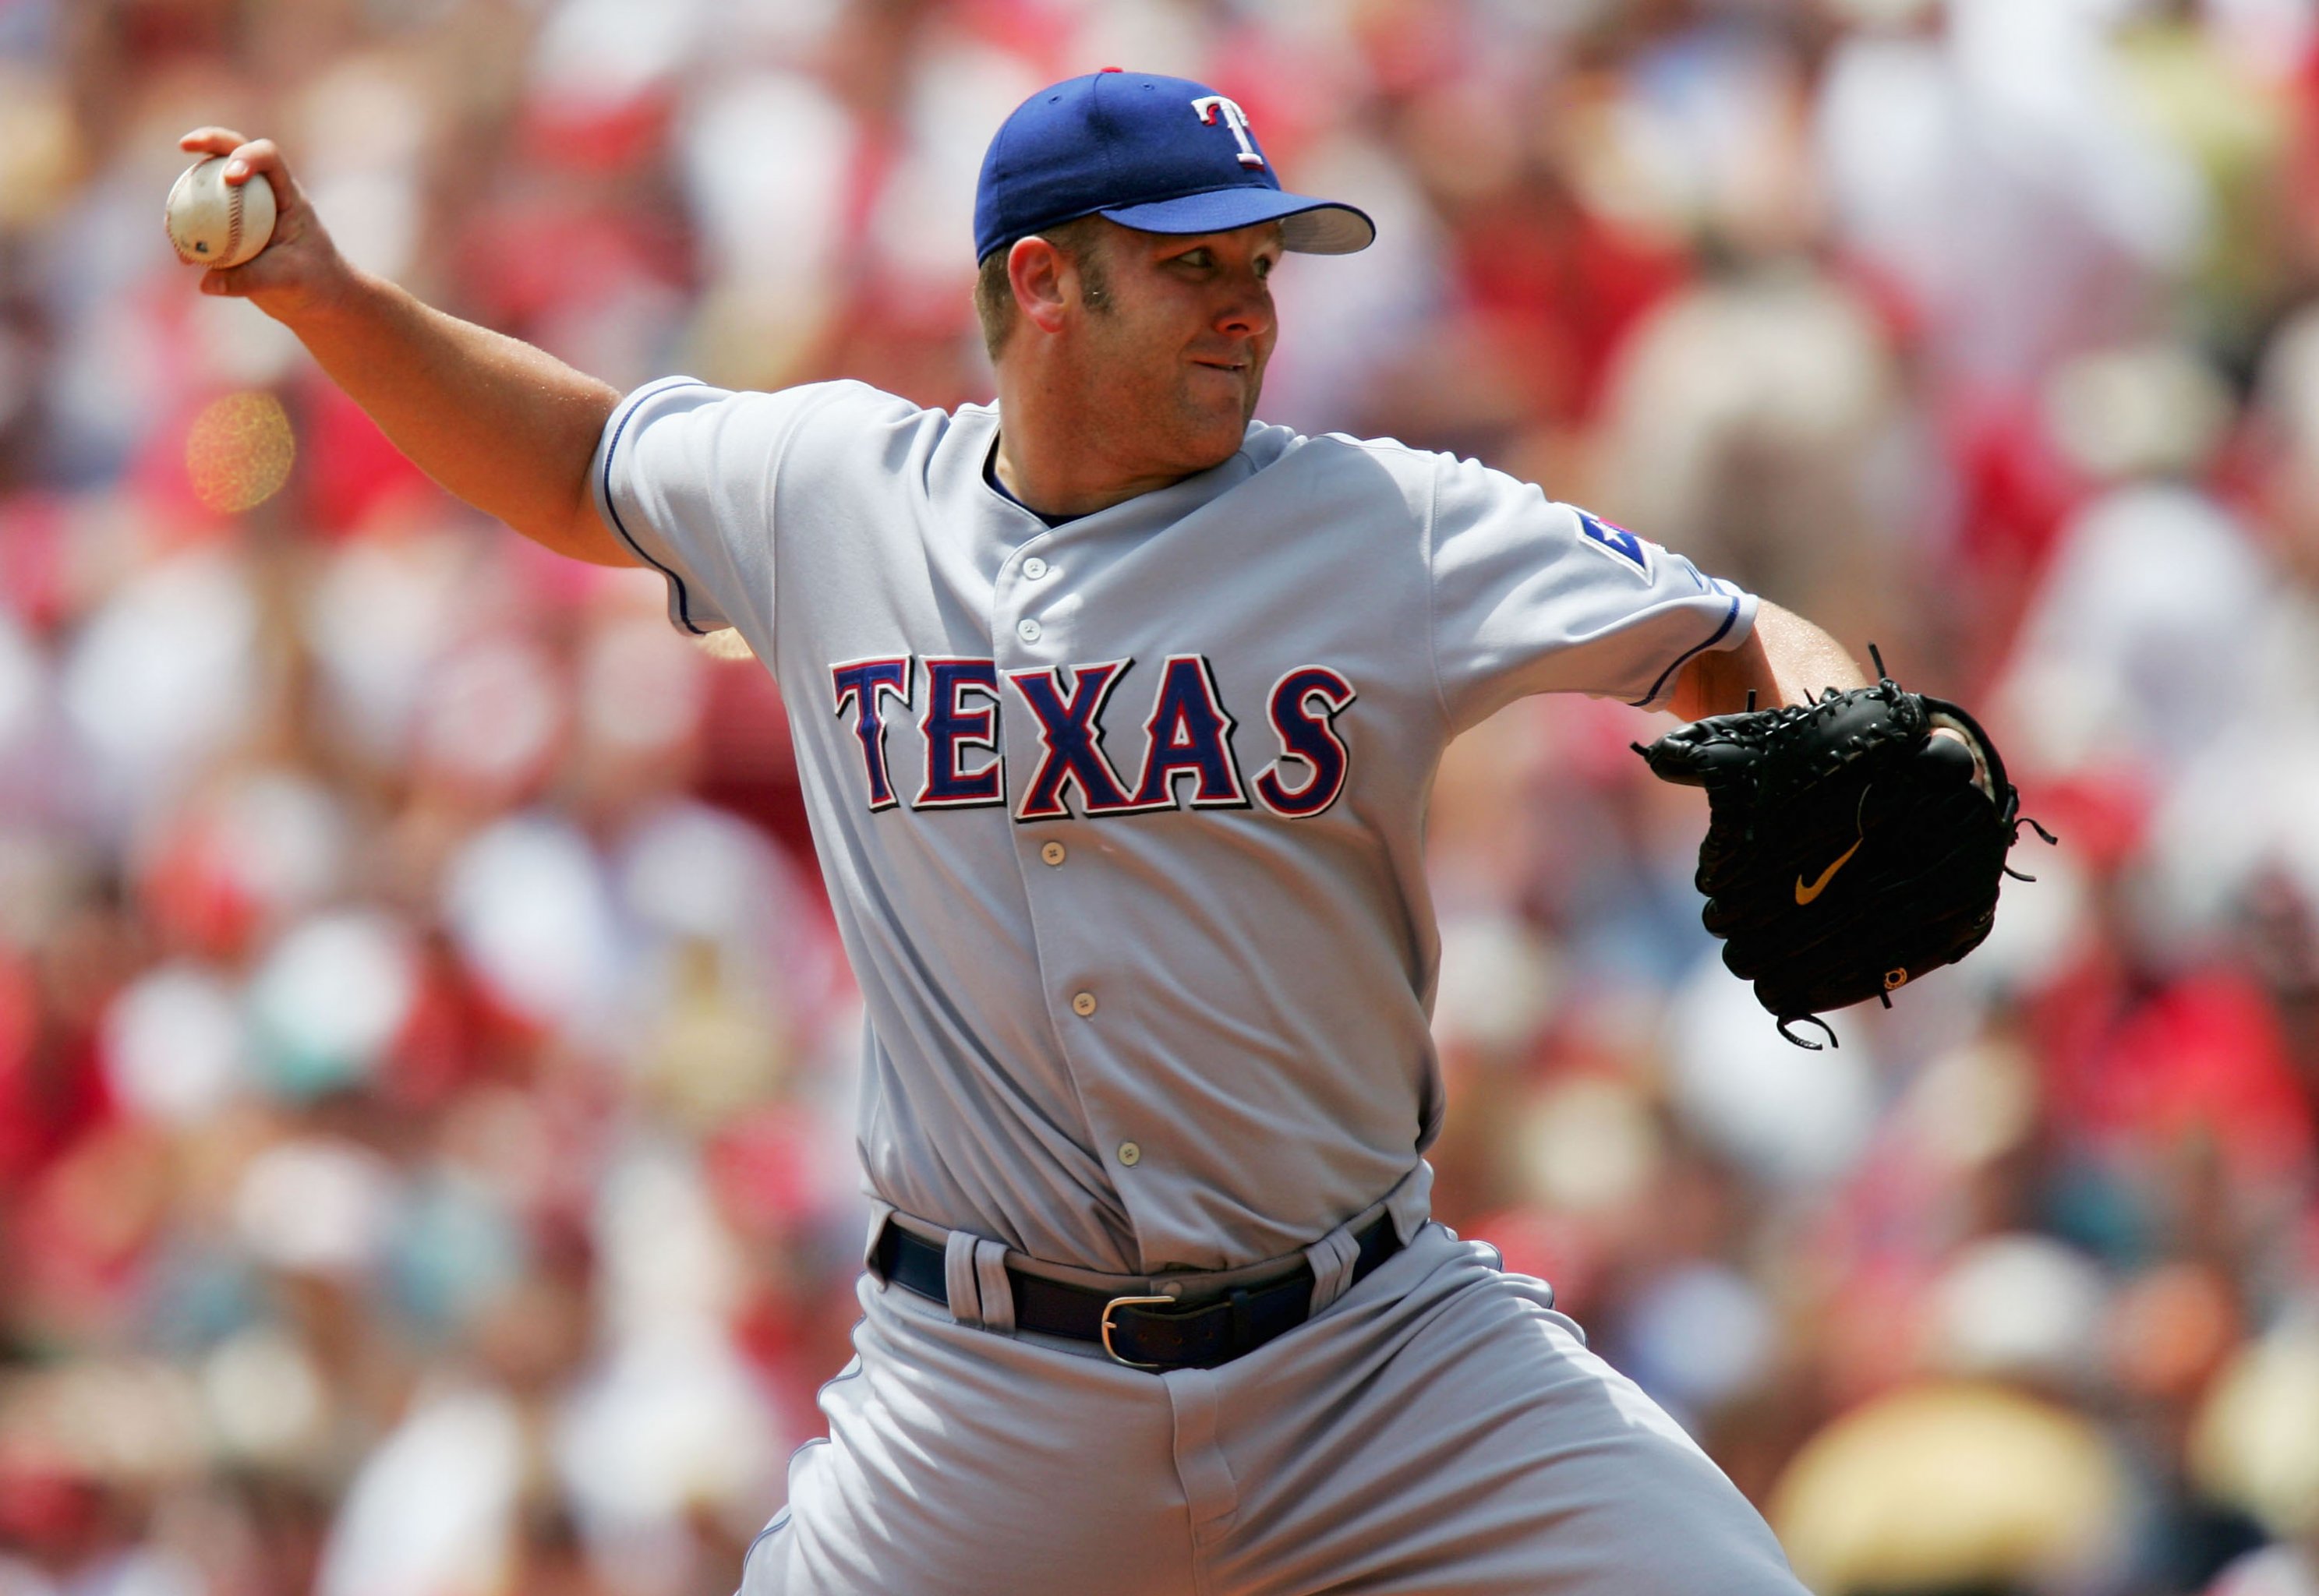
(1162,154)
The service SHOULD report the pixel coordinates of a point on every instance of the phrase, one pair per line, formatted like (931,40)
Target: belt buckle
(1112,1352)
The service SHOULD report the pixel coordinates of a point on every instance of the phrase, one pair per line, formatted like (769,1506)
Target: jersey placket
(1035,616)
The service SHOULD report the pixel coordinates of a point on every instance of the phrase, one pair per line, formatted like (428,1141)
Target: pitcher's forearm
(504,426)
(1804,659)
(1785,660)
(508,427)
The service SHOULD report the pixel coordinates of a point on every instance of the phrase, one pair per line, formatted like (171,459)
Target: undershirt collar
(990,475)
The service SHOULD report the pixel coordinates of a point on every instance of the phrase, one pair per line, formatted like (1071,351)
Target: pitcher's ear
(1034,269)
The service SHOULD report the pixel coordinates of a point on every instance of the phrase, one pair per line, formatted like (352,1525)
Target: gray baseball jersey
(1123,819)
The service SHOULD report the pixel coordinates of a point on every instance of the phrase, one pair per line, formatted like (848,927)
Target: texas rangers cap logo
(1161,155)
(1213,106)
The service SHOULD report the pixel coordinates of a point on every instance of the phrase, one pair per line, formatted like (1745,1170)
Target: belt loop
(1411,1203)
(1332,1258)
(992,1288)
(965,1292)
(879,1212)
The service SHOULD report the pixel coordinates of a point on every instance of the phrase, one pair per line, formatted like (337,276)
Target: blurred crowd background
(426,1064)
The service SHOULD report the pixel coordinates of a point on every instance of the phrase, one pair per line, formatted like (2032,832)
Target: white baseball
(214,223)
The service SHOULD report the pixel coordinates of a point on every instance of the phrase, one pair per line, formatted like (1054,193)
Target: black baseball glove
(1849,850)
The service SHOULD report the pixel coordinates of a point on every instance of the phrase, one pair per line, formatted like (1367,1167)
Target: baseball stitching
(233,221)
(232,232)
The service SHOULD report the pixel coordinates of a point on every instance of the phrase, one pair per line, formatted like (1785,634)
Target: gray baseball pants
(1438,1430)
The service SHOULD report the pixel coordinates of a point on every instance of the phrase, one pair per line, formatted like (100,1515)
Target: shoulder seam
(1371,445)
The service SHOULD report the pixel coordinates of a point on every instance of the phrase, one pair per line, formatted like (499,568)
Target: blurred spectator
(425,1056)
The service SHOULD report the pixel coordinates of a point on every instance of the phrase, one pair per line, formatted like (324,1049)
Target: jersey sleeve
(1532,596)
(685,476)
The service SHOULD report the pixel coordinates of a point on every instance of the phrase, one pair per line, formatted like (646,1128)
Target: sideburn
(1095,287)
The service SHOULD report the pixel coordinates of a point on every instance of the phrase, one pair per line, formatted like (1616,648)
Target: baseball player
(1116,711)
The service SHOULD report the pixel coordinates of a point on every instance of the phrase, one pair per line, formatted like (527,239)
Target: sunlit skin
(1153,380)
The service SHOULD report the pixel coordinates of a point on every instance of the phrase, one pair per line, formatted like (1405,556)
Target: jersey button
(1083,1003)
(1130,1154)
(1034,568)
(1054,853)
(1027,629)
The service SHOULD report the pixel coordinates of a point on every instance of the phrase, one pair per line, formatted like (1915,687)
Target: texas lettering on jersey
(1186,757)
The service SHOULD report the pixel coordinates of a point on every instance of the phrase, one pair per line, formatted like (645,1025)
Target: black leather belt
(1144,1332)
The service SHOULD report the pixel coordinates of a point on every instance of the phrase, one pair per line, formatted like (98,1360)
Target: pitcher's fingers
(212,140)
(261,155)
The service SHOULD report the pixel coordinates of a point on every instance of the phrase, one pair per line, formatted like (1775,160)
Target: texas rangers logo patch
(1617,542)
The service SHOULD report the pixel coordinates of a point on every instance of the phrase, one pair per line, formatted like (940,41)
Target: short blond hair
(1077,241)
